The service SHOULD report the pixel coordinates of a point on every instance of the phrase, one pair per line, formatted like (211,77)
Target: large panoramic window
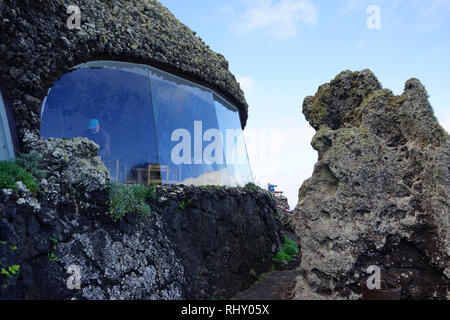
(151,127)
(6,145)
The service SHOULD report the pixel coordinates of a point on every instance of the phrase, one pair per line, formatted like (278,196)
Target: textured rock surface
(214,248)
(225,237)
(379,194)
(285,214)
(37,48)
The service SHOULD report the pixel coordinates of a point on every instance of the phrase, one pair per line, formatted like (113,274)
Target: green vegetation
(53,257)
(10,271)
(288,250)
(30,162)
(11,172)
(54,241)
(125,199)
(210,186)
(252,186)
(182,205)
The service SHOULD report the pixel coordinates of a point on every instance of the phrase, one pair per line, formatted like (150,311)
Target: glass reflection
(152,127)
(6,145)
(184,117)
(236,157)
(112,108)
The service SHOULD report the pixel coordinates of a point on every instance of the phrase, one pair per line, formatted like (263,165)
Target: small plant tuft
(124,199)
(10,271)
(53,257)
(30,162)
(182,205)
(288,250)
(54,241)
(11,172)
(252,186)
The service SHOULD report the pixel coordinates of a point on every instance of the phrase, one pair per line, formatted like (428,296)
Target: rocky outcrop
(37,48)
(379,194)
(199,243)
(284,213)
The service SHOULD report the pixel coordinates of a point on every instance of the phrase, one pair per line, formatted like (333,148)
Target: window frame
(8,124)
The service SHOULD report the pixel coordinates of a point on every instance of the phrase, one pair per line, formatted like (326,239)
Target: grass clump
(124,199)
(252,186)
(11,172)
(30,162)
(53,257)
(288,250)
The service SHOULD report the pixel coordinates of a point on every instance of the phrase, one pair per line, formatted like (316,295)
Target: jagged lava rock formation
(285,217)
(379,194)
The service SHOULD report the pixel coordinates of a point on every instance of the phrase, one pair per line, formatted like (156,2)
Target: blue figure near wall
(271,187)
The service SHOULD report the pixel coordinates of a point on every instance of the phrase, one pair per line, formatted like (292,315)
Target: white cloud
(437,5)
(350,6)
(425,7)
(280,18)
(279,142)
(281,157)
(444,119)
(446,124)
(246,83)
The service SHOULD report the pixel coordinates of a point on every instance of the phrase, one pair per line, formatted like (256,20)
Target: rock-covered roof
(37,48)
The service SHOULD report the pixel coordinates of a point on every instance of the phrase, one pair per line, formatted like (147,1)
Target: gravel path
(274,286)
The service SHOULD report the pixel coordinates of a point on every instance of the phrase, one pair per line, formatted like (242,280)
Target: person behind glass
(100,136)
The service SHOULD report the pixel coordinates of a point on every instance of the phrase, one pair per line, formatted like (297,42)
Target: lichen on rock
(379,194)
(71,162)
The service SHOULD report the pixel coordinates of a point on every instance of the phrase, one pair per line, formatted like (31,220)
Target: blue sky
(282,50)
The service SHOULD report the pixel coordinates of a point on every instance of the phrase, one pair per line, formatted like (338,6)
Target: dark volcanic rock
(284,213)
(225,238)
(213,248)
(379,194)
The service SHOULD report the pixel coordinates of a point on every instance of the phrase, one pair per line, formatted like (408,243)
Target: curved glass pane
(152,127)
(236,157)
(6,146)
(112,108)
(188,133)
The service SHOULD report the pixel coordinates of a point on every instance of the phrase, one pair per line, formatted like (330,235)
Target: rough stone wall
(379,194)
(213,248)
(285,217)
(37,48)
(225,238)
